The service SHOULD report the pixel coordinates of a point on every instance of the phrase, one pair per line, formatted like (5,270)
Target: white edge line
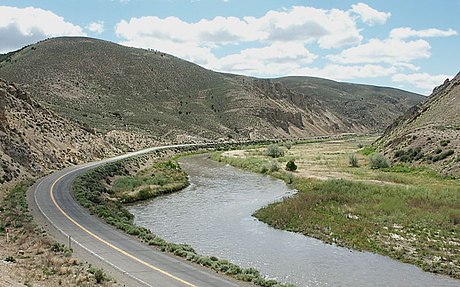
(79,244)
(101,162)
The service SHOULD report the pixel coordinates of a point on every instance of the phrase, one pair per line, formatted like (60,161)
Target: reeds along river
(213,215)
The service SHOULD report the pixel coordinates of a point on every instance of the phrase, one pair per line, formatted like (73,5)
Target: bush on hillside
(378,160)
(274,151)
(353,160)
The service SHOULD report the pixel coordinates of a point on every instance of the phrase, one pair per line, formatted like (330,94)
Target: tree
(291,166)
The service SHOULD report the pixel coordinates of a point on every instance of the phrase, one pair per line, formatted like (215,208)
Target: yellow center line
(108,243)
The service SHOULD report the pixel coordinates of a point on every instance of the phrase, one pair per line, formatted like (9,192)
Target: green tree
(291,166)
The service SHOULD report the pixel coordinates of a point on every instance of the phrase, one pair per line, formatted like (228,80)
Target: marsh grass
(363,216)
(408,213)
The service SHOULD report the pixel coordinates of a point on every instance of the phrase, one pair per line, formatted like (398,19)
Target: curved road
(131,261)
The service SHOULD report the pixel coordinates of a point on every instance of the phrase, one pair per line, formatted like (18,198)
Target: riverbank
(103,191)
(410,214)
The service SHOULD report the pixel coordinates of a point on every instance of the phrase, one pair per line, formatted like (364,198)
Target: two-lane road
(143,265)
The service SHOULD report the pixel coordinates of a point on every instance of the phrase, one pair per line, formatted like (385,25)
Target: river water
(213,215)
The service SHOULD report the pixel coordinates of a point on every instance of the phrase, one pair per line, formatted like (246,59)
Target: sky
(412,45)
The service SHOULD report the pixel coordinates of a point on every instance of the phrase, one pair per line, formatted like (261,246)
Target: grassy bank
(160,178)
(91,191)
(408,213)
(33,257)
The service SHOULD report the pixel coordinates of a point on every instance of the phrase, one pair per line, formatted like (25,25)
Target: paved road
(130,259)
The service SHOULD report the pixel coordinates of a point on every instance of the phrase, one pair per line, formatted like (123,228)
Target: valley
(375,168)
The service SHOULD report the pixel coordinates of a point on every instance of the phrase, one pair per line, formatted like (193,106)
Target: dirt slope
(429,133)
(34,140)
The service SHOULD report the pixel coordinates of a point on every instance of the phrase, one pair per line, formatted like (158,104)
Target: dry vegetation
(408,213)
(429,134)
(31,258)
(34,140)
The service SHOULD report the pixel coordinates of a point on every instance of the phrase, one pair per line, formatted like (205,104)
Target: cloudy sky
(413,45)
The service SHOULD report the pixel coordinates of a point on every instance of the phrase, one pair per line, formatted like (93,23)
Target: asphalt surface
(135,263)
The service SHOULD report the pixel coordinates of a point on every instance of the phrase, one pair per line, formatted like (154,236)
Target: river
(213,215)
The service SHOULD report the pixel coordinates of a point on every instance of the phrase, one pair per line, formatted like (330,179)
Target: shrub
(443,155)
(378,160)
(98,274)
(288,145)
(264,168)
(274,151)
(274,166)
(409,155)
(10,259)
(444,142)
(291,166)
(353,160)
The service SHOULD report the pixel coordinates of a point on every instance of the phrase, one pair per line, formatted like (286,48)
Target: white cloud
(391,51)
(369,15)
(23,26)
(423,81)
(283,35)
(276,59)
(199,55)
(96,27)
(278,42)
(405,32)
(345,72)
(220,30)
(329,28)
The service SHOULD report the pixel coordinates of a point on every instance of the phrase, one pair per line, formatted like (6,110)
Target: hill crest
(117,89)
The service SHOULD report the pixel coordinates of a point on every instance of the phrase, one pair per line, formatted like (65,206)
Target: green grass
(90,192)
(367,150)
(409,213)
(14,207)
(161,178)
(368,216)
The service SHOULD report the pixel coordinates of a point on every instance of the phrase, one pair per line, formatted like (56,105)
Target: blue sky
(407,44)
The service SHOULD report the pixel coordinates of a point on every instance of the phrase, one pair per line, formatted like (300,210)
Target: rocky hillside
(144,93)
(369,106)
(34,140)
(429,133)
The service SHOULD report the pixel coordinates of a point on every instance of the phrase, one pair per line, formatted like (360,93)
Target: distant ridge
(132,92)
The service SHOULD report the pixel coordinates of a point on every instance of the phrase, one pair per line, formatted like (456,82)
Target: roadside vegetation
(160,178)
(93,191)
(351,196)
(31,254)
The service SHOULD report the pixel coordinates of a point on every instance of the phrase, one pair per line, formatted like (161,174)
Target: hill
(371,107)
(128,92)
(34,140)
(429,133)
